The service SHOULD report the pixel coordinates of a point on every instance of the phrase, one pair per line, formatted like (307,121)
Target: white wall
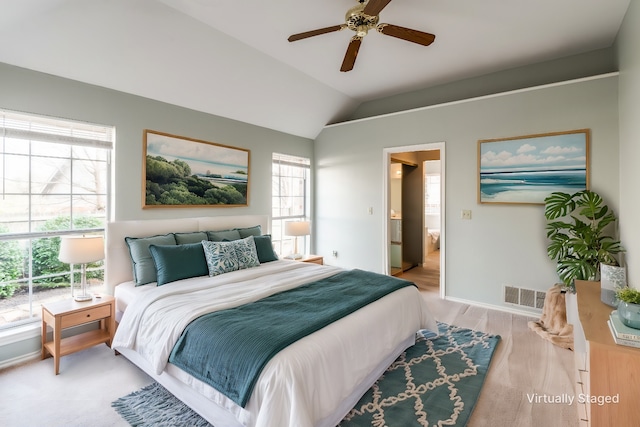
(629,106)
(502,244)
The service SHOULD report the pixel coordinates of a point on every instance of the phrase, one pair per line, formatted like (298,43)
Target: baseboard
(23,358)
(534,314)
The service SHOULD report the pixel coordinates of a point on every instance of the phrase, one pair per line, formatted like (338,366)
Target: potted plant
(629,306)
(576,228)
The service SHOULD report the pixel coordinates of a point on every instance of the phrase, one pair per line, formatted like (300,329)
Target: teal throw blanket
(228,349)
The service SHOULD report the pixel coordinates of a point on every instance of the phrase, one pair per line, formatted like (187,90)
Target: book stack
(622,334)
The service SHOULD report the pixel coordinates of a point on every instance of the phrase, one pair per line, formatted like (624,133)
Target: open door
(415,220)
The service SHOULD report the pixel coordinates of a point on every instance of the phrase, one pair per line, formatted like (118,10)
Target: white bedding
(307,383)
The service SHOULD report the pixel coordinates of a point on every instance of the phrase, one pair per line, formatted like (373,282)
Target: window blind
(41,128)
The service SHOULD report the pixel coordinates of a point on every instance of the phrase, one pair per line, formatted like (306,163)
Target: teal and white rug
(434,382)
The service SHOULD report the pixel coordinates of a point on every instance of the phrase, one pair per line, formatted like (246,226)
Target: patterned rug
(434,382)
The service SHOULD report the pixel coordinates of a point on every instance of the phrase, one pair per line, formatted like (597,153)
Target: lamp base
(82,297)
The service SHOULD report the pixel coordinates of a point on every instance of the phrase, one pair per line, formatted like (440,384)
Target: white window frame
(38,129)
(432,208)
(290,202)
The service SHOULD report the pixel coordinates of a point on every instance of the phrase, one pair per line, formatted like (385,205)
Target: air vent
(511,295)
(524,297)
(540,299)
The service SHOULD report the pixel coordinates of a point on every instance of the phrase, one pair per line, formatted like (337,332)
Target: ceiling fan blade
(300,36)
(374,7)
(414,36)
(352,53)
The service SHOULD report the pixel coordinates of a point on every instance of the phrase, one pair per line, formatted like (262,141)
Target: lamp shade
(297,228)
(81,249)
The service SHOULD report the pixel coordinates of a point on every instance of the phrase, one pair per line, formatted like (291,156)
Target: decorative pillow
(219,236)
(246,252)
(264,247)
(144,270)
(221,257)
(250,231)
(195,237)
(175,262)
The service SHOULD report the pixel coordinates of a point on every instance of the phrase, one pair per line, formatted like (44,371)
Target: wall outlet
(466,214)
(335,254)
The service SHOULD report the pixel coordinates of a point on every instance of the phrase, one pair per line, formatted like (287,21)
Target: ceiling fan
(361,19)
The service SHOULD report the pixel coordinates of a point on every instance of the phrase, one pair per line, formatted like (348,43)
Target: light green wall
(587,64)
(502,244)
(34,92)
(629,104)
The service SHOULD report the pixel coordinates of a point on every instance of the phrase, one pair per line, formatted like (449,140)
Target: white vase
(612,277)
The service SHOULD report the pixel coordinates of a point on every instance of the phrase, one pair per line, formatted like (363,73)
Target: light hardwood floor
(524,365)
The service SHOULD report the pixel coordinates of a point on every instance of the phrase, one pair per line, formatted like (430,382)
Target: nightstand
(314,259)
(69,313)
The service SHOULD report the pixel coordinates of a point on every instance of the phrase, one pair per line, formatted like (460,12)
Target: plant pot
(612,277)
(629,314)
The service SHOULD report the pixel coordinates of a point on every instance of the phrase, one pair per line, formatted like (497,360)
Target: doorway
(414,180)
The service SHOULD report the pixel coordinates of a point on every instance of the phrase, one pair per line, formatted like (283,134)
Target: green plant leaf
(576,227)
(558,204)
(629,295)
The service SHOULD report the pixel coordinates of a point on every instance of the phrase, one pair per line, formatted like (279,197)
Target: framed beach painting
(526,169)
(184,172)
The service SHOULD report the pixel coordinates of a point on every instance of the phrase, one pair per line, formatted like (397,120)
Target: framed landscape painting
(526,169)
(187,172)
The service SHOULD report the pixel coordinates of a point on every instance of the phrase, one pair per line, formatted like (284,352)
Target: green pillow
(250,231)
(195,237)
(222,235)
(176,262)
(144,270)
(264,247)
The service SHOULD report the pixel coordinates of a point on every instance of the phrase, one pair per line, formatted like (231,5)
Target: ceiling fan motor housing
(360,22)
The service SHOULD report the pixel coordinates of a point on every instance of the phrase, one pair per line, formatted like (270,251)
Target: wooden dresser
(607,374)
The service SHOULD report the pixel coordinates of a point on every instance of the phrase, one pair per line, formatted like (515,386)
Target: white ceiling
(232,58)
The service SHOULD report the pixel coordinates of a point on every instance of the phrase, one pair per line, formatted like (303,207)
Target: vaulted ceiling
(231,58)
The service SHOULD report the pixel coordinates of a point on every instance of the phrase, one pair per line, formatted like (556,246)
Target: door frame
(386,203)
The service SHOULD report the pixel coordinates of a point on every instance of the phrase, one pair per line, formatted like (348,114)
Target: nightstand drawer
(84,316)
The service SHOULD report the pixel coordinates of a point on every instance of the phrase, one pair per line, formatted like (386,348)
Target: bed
(313,382)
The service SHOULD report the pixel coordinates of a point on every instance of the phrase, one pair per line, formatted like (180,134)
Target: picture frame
(179,172)
(526,169)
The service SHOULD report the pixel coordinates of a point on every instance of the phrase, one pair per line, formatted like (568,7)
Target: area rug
(434,382)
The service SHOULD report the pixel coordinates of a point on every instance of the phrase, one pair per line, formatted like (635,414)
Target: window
(432,194)
(289,200)
(54,180)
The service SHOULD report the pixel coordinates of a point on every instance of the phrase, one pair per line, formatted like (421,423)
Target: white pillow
(221,257)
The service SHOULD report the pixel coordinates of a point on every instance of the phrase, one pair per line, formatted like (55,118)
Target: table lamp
(81,250)
(296,229)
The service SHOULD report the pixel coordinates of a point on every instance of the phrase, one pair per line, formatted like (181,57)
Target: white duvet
(306,384)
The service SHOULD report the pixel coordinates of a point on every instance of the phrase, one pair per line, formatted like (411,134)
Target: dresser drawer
(84,316)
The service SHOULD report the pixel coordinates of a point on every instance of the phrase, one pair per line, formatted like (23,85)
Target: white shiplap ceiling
(231,58)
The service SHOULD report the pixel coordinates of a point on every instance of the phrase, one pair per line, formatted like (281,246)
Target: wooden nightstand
(68,313)
(314,259)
